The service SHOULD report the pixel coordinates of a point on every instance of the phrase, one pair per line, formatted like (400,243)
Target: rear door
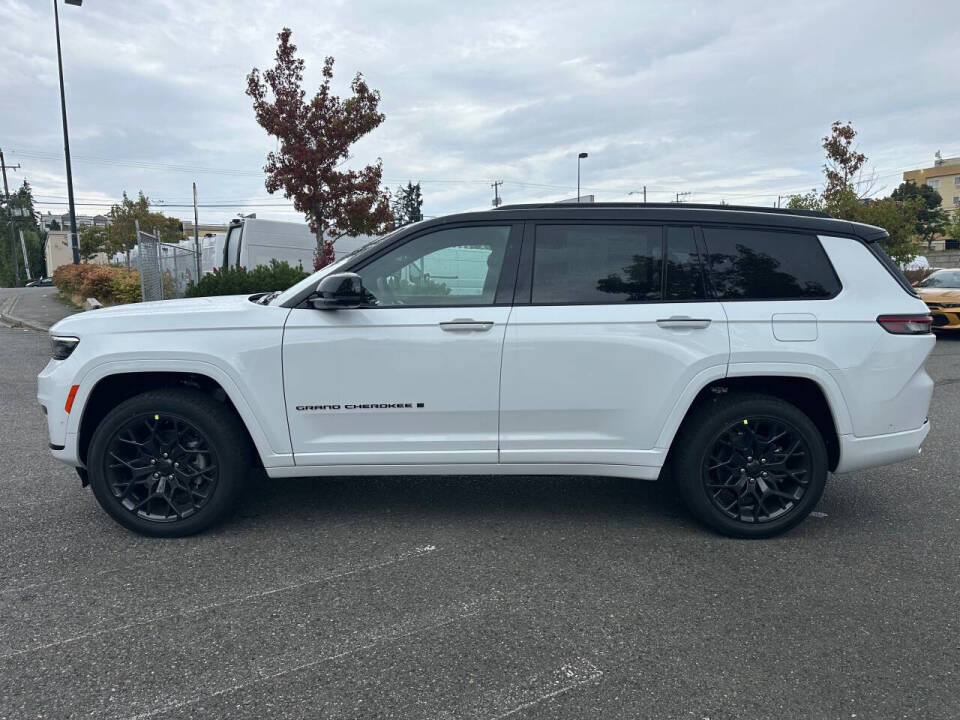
(611,326)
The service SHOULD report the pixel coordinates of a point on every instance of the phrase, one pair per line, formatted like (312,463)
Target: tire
(759,498)
(195,485)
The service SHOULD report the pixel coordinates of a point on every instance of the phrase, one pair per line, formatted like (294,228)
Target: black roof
(811,220)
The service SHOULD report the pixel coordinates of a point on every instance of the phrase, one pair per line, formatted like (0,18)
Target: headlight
(62,346)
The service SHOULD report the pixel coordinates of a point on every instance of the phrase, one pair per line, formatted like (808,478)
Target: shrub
(97,283)
(278,275)
(125,286)
(68,278)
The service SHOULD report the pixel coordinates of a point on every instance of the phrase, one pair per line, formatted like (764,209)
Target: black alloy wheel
(169,462)
(161,467)
(757,470)
(749,465)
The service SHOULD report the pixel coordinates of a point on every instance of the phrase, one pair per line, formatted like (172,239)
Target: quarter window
(602,264)
(762,264)
(459,266)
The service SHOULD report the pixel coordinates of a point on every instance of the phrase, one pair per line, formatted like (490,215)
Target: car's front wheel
(168,462)
(750,465)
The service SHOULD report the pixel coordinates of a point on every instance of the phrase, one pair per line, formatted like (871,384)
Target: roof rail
(655,205)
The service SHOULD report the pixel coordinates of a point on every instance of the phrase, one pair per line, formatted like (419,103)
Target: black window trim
(756,228)
(508,272)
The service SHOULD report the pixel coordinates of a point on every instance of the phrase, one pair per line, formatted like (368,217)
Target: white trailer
(251,242)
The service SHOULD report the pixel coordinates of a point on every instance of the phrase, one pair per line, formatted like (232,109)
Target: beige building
(58,252)
(944,177)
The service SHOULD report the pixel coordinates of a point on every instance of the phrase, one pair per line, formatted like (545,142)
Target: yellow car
(941,292)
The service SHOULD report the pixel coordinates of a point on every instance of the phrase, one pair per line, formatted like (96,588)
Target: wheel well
(114,389)
(804,393)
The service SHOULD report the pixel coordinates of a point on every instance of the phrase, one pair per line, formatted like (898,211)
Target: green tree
(93,239)
(931,220)
(54,225)
(121,232)
(19,213)
(407,204)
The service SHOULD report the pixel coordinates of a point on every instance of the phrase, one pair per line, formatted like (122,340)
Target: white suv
(750,351)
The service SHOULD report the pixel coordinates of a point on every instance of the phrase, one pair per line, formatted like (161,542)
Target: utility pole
(637,192)
(26,260)
(13,241)
(74,240)
(497,200)
(681,195)
(196,231)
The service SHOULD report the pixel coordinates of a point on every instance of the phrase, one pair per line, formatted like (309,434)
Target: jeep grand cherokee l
(740,347)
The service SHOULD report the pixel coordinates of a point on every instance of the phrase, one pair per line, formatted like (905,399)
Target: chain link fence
(148,257)
(166,269)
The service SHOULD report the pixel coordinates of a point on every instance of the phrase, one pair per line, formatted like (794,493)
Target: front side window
(601,264)
(459,266)
(767,264)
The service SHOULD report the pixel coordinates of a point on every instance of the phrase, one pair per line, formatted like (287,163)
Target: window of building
(603,264)
(956,181)
(934,182)
(764,264)
(956,199)
(459,266)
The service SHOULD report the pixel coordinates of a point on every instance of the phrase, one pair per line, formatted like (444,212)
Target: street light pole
(74,241)
(580,157)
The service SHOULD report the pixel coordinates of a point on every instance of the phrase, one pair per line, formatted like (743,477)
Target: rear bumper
(857,453)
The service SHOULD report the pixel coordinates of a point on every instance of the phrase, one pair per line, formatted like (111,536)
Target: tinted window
(758,264)
(596,264)
(459,266)
(684,277)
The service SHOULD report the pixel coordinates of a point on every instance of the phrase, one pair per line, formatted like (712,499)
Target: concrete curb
(14,321)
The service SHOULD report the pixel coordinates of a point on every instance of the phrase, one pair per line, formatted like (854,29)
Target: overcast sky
(724,100)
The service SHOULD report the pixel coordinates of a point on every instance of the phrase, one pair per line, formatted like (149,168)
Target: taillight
(906,324)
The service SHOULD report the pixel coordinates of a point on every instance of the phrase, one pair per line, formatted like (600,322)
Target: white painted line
(376,640)
(417,552)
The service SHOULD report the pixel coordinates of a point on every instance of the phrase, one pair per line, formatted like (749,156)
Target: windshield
(332,268)
(942,279)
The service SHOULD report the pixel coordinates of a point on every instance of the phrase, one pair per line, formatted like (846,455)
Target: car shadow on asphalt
(454,497)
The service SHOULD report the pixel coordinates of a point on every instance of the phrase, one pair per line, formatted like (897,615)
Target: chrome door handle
(684,322)
(466,325)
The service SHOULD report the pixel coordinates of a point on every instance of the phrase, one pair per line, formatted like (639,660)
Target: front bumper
(857,453)
(53,387)
(945,318)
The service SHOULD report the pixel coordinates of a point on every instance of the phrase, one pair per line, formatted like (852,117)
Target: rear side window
(601,264)
(684,277)
(767,265)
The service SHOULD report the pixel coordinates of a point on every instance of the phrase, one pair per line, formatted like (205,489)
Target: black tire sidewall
(699,437)
(219,426)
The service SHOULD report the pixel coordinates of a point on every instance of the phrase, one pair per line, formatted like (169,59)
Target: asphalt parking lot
(478,597)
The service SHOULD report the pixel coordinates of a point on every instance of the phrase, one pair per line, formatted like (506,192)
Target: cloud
(727,100)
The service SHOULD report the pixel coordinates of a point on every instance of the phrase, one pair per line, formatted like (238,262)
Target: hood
(939,294)
(192,313)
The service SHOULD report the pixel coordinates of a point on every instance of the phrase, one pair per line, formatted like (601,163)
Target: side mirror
(340,290)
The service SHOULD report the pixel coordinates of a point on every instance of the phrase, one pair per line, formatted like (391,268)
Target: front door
(412,377)
(611,327)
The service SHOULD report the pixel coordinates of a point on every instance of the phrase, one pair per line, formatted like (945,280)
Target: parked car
(751,351)
(40,282)
(941,292)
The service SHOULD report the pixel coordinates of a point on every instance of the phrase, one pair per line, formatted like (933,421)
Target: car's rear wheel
(168,463)
(750,465)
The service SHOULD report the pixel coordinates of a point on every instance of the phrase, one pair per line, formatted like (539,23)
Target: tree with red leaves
(314,140)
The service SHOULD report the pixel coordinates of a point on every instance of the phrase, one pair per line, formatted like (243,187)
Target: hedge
(110,285)
(278,275)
